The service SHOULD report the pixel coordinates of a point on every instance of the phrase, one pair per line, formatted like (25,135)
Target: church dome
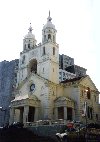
(29,40)
(30,35)
(49,23)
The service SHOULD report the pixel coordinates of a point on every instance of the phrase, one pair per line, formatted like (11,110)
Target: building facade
(8,76)
(75,69)
(86,98)
(63,75)
(65,61)
(38,93)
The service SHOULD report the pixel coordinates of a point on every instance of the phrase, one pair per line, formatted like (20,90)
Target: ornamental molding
(64,101)
(28,102)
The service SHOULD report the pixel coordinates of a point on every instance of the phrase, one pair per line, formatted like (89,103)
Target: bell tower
(49,31)
(29,43)
(49,63)
(29,40)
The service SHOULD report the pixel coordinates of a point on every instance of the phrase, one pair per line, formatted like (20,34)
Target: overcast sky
(77,23)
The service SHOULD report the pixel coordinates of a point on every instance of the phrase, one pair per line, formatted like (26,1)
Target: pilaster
(56,113)
(65,113)
(12,113)
(25,114)
(36,114)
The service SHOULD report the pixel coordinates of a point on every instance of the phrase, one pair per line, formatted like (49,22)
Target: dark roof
(74,79)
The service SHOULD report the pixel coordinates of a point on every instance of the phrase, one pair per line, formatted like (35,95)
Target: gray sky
(77,23)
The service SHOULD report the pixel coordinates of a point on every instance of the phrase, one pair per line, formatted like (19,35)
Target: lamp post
(86,111)
(86,120)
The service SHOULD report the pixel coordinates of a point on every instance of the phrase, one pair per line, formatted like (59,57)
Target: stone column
(56,113)
(36,114)
(65,113)
(25,114)
(21,115)
(12,113)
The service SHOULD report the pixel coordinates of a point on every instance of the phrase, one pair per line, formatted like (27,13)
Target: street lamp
(86,111)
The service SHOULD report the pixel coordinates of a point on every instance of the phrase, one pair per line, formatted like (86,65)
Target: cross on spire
(30,29)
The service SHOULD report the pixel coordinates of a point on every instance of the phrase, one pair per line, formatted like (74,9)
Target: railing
(45,122)
(50,128)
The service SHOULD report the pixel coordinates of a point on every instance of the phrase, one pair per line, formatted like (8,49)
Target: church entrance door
(60,112)
(31,114)
(69,113)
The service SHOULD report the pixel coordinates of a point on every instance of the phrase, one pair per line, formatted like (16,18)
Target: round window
(32,87)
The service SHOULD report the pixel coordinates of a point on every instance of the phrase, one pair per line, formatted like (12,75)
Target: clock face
(32,87)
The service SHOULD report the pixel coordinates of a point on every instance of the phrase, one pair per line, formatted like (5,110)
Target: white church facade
(38,93)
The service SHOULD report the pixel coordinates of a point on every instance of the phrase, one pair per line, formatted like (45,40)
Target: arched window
(25,47)
(23,59)
(33,66)
(44,37)
(33,43)
(88,93)
(44,50)
(49,36)
(29,46)
(43,70)
(53,50)
(96,116)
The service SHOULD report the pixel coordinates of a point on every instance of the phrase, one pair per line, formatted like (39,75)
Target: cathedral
(40,95)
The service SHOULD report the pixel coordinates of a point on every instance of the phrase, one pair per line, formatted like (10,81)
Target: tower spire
(49,13)
(49,18)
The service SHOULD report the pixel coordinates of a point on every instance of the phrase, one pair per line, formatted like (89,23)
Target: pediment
(35,78)
(87,82)
(30,79)
(34,86)
(64,101)
(24,97)
(22,100)
(62,98)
